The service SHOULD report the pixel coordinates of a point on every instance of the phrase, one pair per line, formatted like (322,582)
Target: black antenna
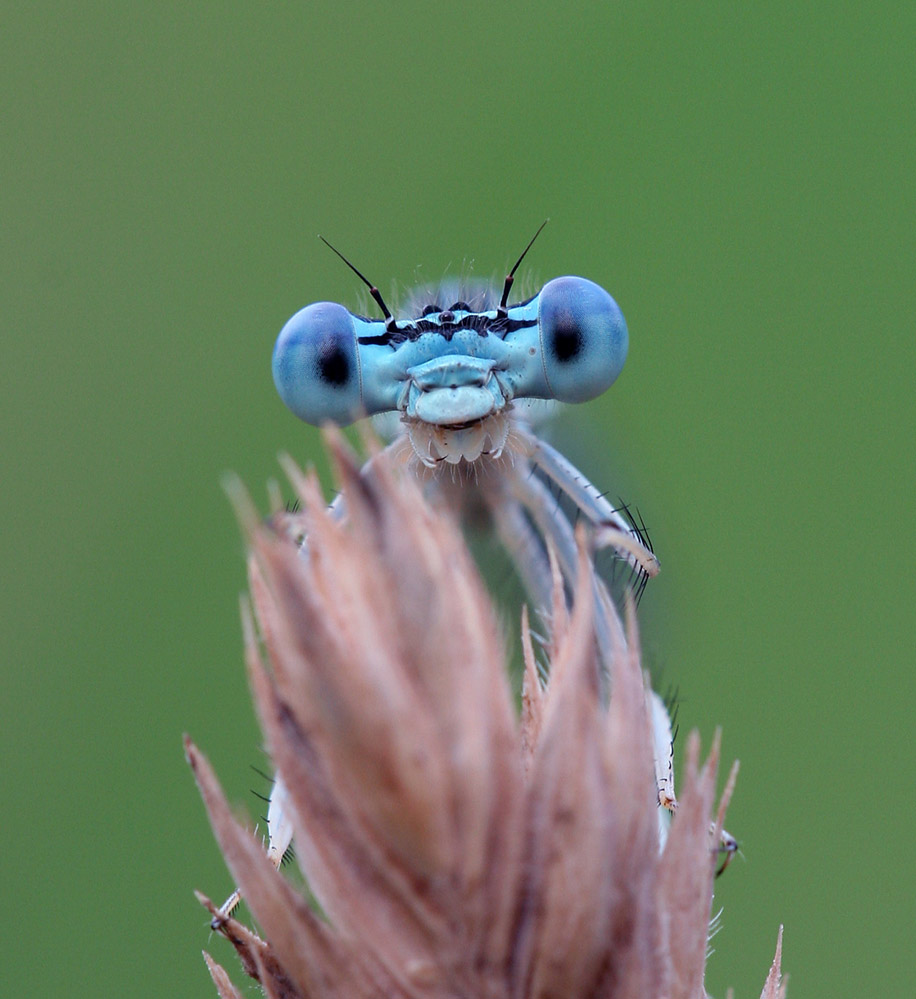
(510,277)
(390,324)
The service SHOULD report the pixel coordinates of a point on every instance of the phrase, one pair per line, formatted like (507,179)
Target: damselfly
(461,373)
(462,376)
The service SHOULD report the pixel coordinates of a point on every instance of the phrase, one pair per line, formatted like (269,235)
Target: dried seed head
(451,847)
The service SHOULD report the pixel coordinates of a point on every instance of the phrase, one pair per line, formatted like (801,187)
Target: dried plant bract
(452,846)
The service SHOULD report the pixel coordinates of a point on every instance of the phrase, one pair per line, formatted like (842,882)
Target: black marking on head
(483,325)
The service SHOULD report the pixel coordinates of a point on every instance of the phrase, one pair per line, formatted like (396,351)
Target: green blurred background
(740,179)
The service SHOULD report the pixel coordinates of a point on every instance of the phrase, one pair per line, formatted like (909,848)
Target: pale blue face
(454,365)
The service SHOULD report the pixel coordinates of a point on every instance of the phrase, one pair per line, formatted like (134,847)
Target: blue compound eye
(316,365)
(583,338)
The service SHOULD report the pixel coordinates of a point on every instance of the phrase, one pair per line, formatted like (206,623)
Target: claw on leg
(279,839)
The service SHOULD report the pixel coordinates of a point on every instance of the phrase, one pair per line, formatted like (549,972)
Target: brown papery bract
(452,848)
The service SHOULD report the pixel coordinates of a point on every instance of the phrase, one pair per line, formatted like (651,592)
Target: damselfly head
(456,363)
